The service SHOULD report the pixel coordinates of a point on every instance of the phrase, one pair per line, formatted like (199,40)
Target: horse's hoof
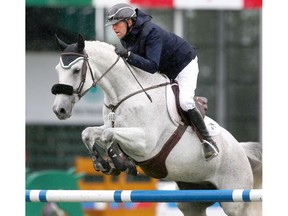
(131,168)
(99,163)
(112,171)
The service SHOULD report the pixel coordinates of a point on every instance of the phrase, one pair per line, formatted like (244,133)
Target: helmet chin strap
(128,30)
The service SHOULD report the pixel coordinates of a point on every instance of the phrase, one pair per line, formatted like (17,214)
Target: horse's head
(72,84)
(116,79)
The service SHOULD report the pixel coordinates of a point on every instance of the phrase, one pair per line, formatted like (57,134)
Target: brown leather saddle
(200,102)
(156,167)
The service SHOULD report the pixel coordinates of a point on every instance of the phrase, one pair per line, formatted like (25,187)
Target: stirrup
(212,155)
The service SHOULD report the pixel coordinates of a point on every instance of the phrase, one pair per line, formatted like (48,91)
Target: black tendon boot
(120,161)
(210,148)
(102,165)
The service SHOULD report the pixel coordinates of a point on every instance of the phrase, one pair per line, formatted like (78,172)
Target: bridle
(68,89)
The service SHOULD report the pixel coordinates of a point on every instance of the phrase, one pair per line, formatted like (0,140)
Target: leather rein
(114,107)
(69,90)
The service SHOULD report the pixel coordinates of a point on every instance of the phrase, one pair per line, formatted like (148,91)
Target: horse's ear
(80,43)
(61,43)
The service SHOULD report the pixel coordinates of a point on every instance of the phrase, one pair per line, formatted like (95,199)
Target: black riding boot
(210,148)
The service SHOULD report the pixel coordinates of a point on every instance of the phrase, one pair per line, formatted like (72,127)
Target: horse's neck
(119,81)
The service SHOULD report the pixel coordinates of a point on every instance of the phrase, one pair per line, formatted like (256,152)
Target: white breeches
(187,81)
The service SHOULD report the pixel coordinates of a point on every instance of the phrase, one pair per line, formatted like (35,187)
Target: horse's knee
(90,136)
(86,135)
(107,135)
(87,139)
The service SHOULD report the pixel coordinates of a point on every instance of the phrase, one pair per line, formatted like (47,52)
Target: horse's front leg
(131,141)
(90,137)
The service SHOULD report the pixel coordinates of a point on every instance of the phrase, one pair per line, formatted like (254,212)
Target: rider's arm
(153,48)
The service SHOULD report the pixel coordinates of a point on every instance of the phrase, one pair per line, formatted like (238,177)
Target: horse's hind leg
(241,209)
(235,208)
(193,209)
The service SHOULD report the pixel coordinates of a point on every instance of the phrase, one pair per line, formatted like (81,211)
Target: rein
(148,96)
(69,90)
(114,107)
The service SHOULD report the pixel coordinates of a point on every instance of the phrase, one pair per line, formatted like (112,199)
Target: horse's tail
(254,153)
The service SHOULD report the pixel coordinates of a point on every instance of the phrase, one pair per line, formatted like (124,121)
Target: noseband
(68,89)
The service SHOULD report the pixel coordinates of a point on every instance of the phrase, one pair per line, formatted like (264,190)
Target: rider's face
(120,28)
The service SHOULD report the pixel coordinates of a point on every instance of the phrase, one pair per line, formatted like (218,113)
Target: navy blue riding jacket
(155,49)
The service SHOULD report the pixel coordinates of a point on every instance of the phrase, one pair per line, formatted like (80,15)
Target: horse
(140,116)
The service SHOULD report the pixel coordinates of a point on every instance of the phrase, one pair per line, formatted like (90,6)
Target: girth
(156,166)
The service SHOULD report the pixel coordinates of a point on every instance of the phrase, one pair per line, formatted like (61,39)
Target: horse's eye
(76,70)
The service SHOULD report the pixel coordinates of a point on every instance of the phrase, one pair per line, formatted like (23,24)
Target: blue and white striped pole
(238,195)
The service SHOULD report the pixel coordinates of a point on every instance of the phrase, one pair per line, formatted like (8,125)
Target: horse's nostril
(62,111)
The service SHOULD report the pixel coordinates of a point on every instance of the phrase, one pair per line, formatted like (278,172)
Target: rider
(151,48)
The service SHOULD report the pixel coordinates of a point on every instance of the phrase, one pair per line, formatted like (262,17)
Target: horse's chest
(132,115)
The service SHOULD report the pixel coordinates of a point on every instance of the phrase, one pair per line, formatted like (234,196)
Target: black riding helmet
(120,12)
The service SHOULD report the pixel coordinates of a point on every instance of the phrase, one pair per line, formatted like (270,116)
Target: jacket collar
(142,18)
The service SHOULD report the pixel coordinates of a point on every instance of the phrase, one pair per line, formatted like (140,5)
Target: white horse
(141,127)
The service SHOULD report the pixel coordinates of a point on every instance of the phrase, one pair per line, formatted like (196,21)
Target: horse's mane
(107,51)
(96,45)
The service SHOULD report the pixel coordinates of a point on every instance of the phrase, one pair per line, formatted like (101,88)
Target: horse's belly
(186,161)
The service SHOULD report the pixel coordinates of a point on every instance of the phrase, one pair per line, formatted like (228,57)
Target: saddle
(155,167)
(200,102)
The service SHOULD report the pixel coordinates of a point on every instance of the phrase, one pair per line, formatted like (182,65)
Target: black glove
(121,51)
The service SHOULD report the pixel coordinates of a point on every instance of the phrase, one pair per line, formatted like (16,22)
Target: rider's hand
(122,52)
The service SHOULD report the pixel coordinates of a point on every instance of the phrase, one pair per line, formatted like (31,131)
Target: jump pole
(239,195)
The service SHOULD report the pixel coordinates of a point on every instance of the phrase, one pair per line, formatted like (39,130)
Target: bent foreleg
(132,140)
(91,138)
(92,135)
